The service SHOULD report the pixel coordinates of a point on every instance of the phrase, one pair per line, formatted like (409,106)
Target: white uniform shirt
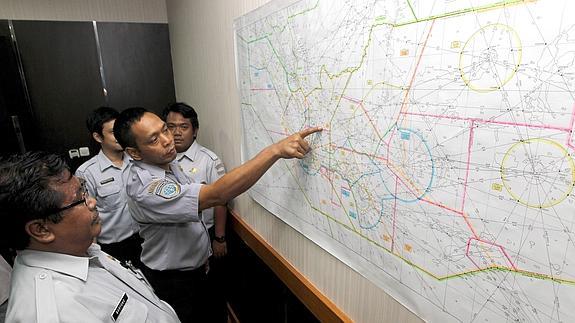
(5,271)
(165,204)
(202,166)
(105,182)
(55,287)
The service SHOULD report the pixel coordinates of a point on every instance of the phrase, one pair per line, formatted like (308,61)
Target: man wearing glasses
(59,275)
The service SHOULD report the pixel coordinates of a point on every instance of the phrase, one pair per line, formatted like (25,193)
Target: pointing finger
(306,132)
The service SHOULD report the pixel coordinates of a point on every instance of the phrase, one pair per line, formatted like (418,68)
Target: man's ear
(97,137)
(39,231)
(134,153)
(196,130)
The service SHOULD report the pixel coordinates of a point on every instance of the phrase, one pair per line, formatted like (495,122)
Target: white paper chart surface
(445,169)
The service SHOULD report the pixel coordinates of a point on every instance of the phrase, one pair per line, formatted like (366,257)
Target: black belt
(174,273)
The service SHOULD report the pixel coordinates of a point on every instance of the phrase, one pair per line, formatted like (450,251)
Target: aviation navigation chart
(445,169)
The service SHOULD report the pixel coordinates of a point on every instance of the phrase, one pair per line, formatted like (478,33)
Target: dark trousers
(217,283)
(186,291)
(128,249)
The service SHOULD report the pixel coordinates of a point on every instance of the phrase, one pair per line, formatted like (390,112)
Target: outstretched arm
(243,177)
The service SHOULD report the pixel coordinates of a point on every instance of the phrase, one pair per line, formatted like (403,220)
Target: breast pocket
(108,197)
(195,175)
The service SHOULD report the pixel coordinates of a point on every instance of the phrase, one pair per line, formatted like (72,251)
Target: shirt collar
(59,262)
(104,162)
(192,152)
(156,171)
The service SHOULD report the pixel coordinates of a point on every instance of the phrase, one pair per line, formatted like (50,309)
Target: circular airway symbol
(538,172)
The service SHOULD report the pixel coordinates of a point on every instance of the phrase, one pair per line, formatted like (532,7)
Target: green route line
(378,23)
(460,12)
(292,174)
(352,70)
(505,269)
(441,278)
(411,8)
(304,11)
(409,262)
(352,228)
(281,29)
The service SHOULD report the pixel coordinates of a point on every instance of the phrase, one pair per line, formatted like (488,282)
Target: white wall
(201,35)
(152,11)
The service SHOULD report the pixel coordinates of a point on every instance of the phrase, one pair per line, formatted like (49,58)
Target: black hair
(123,126)
(185,110)
(97,118)
(26,194)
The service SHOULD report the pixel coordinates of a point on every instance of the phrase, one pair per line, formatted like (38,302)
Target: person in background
(105,175)
(202,166)
(59,274)
(167,205)
(5,270)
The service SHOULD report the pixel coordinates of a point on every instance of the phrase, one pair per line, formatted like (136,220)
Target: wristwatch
(221,239)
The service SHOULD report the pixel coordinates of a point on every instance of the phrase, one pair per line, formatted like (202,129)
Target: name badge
(120,307)
(107,180)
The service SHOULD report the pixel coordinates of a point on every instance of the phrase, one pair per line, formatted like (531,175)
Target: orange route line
(359,152)
(402,112)
(404,103)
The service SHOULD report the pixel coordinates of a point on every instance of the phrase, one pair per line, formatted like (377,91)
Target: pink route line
(352,99)
(404,104)
(404,184)
(571,129)
(398,179)
(488,121)
(442,206)
(360,104)
(454,211)
(394,213)
(489,243)
(471,132)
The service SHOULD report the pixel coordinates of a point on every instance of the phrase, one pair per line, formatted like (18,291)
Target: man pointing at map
(167,205)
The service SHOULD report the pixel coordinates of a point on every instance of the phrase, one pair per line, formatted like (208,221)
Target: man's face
(155,142)
(80,224)
(107,139)
(181,128)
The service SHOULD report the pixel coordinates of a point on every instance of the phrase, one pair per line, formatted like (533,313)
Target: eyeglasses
(84,199)
(85,196)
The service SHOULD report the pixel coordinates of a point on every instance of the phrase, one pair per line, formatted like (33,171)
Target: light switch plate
(74,153)
(84,151)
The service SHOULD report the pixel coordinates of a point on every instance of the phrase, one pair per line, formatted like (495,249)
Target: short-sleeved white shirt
(55,287)
(105,182)
(165,205)
(202,166)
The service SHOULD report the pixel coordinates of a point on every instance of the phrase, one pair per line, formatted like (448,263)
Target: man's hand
(295,146)
(220,249)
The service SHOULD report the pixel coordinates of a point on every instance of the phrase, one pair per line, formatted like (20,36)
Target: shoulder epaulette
(87,164)
(210,153)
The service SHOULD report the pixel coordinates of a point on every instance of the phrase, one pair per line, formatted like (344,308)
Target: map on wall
(445,170)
